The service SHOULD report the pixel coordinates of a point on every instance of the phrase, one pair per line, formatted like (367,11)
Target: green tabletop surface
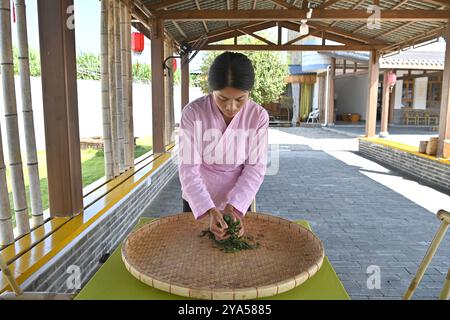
(113,282)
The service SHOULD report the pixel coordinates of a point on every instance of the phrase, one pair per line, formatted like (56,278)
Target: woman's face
(230,100)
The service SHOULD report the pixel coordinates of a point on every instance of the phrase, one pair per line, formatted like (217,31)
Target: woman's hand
(231,211)
(217,224)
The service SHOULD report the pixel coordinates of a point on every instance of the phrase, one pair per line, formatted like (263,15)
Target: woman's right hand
(217,224)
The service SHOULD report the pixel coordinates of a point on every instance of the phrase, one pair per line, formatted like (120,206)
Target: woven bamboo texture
(169,255)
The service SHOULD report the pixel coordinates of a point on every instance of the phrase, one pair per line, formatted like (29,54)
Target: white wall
(420,93)
(351,94)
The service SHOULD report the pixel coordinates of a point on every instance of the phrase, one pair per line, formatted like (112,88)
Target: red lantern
(174,65)
(137,42)
(391,80)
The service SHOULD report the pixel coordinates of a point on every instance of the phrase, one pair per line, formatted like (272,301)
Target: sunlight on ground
(343,148)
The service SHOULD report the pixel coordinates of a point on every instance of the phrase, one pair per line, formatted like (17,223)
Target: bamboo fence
(27,110)
(12,126)
(106,111)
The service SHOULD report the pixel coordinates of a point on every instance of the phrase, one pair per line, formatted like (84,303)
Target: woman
(223,145)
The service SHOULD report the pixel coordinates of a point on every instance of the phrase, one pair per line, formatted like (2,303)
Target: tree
(270,71)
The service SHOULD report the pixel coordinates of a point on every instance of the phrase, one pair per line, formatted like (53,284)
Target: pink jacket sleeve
(252,175)
(189,160)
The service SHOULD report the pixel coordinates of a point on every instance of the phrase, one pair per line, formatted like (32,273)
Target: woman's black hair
(231,69)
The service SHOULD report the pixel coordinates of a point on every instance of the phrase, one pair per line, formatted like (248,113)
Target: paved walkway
(365,214)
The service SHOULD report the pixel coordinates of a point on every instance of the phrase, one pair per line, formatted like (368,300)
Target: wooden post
(444,121)
(112,89)
(385,106)
(59,93)
(10,113)
(372,94)
(106,111)
(391,105)
(158,101)
(184,83)
(27,110)
(170,106)
(331,92)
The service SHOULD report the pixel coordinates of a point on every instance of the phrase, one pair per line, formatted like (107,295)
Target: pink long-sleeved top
(220,164)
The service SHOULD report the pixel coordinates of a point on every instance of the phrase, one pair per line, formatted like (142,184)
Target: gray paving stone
(360,221)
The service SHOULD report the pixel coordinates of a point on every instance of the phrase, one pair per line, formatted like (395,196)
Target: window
(434,88)
(408,92)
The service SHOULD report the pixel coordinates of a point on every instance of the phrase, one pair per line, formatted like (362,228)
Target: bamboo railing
(12,126)
(27,109)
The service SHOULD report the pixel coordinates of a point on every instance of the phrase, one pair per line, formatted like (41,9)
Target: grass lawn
(92,169)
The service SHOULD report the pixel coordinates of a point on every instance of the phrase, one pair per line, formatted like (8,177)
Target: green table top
(113,282)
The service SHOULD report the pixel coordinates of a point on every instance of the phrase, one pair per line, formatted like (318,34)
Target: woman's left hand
(231,211)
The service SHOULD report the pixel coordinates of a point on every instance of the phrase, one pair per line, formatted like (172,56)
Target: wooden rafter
(256,47)
(292,41)
(228,8)
(355,6)
(343,33)
(256,36)
(428,35)
(284,4)
(220,32)
(327,4)
(236,33)
(177,26)
(318,14)
(163,4)
(197,4)
(333,37)
(396,7)
(439,2)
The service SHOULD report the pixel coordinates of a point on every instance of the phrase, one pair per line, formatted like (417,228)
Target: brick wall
(433,172)
(102,237)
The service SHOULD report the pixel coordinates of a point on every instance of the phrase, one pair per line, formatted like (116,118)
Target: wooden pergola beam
(220,32)
(291,14)
(236,33)
(344,33)
(257,47)
(256,36)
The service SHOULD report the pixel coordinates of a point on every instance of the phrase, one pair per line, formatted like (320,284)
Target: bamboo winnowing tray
(168,254)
